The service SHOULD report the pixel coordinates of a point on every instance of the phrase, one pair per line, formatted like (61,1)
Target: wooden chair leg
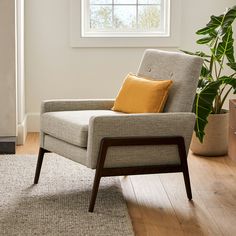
(98,174)
(39,164)
(184,164)
(94,192)
(186,177)
(187,184)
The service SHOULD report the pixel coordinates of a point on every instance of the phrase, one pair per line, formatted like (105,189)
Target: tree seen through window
(121,15)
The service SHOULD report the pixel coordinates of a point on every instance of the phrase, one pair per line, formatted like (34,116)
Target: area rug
(58,205)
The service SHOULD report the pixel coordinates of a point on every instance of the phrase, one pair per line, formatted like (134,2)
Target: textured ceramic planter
(215,142)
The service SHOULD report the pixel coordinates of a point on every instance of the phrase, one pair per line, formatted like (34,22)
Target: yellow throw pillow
(142,95)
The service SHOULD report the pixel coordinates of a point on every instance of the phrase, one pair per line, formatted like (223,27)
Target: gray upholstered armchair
(113,143)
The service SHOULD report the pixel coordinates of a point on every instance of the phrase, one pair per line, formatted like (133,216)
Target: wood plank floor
(158,204)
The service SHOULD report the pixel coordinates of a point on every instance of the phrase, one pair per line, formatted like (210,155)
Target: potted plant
(217,80)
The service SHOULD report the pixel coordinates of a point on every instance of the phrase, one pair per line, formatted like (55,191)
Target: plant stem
(215,69)
(222,90)
(223,100)
(213,57)
(221,66)
(217,104)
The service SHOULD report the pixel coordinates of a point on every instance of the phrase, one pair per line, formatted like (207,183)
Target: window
(125,18)
(125,23)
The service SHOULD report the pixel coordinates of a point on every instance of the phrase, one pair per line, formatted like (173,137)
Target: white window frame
(163,32)
(170,39)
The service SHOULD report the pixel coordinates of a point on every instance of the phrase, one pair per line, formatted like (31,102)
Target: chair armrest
(76,104)
(135,125)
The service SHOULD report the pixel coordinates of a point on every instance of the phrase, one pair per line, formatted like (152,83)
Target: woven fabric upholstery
(73,105)
(138,125)
(65,149)
(76,104)
(141,156)
(70,126)
(183,69)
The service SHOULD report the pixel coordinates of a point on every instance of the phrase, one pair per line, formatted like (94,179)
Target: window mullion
(137,15)
(113,14)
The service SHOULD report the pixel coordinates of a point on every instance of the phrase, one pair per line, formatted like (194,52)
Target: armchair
(114,143)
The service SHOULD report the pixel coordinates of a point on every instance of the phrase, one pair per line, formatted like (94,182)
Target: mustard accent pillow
(142,95)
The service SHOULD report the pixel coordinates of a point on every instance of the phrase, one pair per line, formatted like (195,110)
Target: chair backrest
(183,69)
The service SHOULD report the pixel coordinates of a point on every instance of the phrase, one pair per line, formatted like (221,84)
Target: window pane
(101,17)
(149,1)
(100,1)
(125,17)
(125,1)
(149,17)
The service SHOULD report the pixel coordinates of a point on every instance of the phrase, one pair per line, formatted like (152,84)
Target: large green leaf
(213,33)
(218,25)
(204,101)
(226,47)
(232,65)
(229,18)
(205,40)
(229,81)
(202,83)
(205,72)
(203,106)
(198,53)
(214,23)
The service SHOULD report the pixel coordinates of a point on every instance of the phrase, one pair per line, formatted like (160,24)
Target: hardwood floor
(31,145)
(158,204)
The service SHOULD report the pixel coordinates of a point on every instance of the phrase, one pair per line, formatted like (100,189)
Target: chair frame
(102,171)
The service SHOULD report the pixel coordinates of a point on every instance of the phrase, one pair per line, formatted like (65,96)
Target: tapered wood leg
(184,165)
(94,192)
(187,184)
(39,164)
(98,174)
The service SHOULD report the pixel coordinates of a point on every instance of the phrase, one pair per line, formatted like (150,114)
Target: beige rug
(58,205)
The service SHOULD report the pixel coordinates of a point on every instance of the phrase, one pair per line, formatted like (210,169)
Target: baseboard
(33,122)
(22,132)
(30,124)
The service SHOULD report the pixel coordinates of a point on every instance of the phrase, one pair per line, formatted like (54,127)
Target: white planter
(215,141)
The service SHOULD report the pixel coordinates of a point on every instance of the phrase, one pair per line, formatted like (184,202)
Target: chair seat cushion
(71,126)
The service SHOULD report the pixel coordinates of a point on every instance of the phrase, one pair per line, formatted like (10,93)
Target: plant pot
(215,141)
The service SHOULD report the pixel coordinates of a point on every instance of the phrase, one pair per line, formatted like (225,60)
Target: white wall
(7,69)
(55,70)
